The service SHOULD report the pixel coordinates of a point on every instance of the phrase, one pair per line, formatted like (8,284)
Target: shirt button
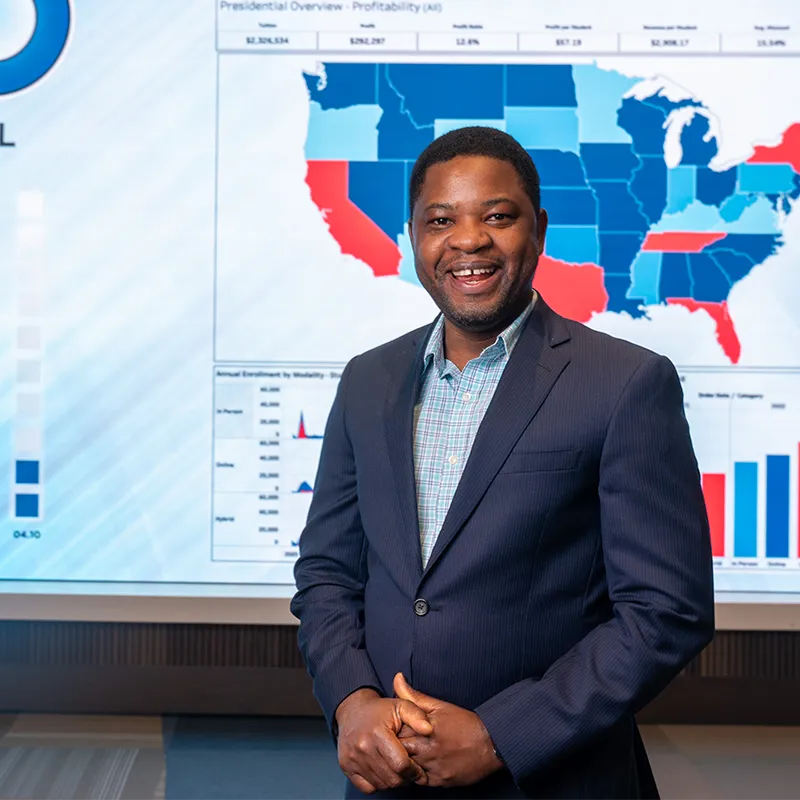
(453,460)
(421,607)
(467,397)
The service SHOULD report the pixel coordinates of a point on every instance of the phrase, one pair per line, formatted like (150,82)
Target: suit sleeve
(331,572)
(657,554)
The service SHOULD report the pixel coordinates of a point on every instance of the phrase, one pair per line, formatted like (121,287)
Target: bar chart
(745,426)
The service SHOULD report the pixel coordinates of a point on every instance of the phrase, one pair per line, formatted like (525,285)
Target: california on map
(629,228)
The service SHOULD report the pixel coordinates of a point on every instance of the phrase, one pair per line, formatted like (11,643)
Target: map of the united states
(627,229)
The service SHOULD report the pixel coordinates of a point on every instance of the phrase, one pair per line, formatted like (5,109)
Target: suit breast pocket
(541,461)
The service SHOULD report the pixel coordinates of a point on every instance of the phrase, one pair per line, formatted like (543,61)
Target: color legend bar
(27,472)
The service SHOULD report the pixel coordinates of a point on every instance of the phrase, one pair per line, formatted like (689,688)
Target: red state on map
(355,232)
(787,152)
(575,291)
(726,334)
(680,241)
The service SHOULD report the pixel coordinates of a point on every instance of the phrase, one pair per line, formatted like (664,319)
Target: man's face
(477,241)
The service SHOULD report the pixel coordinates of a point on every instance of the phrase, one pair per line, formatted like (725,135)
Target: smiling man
(507,553)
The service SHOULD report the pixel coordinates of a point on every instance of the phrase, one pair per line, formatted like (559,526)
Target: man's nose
(469,235)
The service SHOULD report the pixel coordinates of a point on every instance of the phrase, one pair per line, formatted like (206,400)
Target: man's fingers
(363,758)
(374,770)
(384,761)
(359,771)
(414,717)
(422,779)
(397,759)
(406,731)
(410,745)
(361,783)
(417,747)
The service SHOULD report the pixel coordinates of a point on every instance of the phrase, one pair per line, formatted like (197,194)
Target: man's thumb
(405,692)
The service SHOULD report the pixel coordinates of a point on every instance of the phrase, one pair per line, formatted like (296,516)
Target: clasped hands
(385,743)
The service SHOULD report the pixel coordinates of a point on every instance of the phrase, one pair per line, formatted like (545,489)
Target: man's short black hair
(475,141)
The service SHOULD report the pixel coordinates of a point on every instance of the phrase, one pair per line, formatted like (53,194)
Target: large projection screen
(203,217)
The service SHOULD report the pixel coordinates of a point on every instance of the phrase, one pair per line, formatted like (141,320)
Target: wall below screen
(65,667)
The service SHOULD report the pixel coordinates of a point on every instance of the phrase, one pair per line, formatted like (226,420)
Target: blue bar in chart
(777,506)
(745,530)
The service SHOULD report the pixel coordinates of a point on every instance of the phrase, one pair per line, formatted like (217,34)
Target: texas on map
(627,229)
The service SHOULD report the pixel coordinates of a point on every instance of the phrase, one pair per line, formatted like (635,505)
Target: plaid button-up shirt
(448,414)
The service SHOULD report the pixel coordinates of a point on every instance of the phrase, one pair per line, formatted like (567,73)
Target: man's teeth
(465,273)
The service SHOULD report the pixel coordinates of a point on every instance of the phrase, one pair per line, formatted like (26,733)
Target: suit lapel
(535,365)
(402,393)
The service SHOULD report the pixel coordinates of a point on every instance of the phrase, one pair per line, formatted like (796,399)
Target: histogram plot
(268,434)
(302,432)
(745,426)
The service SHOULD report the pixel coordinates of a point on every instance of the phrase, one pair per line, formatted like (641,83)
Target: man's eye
(500,217)
(439,221)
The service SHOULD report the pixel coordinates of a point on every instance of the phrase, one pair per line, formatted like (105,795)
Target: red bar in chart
(714,493)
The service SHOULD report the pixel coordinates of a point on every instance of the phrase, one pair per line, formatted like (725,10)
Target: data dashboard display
(203,217)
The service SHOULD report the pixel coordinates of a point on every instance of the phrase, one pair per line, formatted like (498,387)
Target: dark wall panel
(77,667)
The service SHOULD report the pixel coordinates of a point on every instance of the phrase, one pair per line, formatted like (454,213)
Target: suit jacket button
(421,607)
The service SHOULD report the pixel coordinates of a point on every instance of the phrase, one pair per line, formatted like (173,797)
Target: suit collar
(402,390)
(537,361)
(502,347)
(536,364)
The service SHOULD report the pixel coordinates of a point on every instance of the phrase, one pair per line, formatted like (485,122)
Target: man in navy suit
(507,553)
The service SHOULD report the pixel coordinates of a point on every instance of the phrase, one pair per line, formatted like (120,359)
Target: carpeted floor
(202,758)
(63,757)
(250,759)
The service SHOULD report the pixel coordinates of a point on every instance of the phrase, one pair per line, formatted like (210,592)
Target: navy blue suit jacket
(572,577)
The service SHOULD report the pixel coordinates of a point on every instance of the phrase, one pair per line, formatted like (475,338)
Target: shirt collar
(502,347)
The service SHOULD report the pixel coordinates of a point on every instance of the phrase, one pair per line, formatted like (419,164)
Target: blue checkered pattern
(446,420)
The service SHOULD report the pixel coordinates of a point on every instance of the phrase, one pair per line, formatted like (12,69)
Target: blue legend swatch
(27,472)
(27,506)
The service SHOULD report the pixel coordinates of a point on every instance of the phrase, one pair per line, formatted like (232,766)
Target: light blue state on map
(696,217)
(766,178)
(734,206)
(646,275)
(442,126)
(599,93)
(346,134)
(680,188)
(759,217)
(576,244)
(543,128)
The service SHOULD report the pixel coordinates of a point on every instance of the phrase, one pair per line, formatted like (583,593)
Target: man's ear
(410,224)
(541,229)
